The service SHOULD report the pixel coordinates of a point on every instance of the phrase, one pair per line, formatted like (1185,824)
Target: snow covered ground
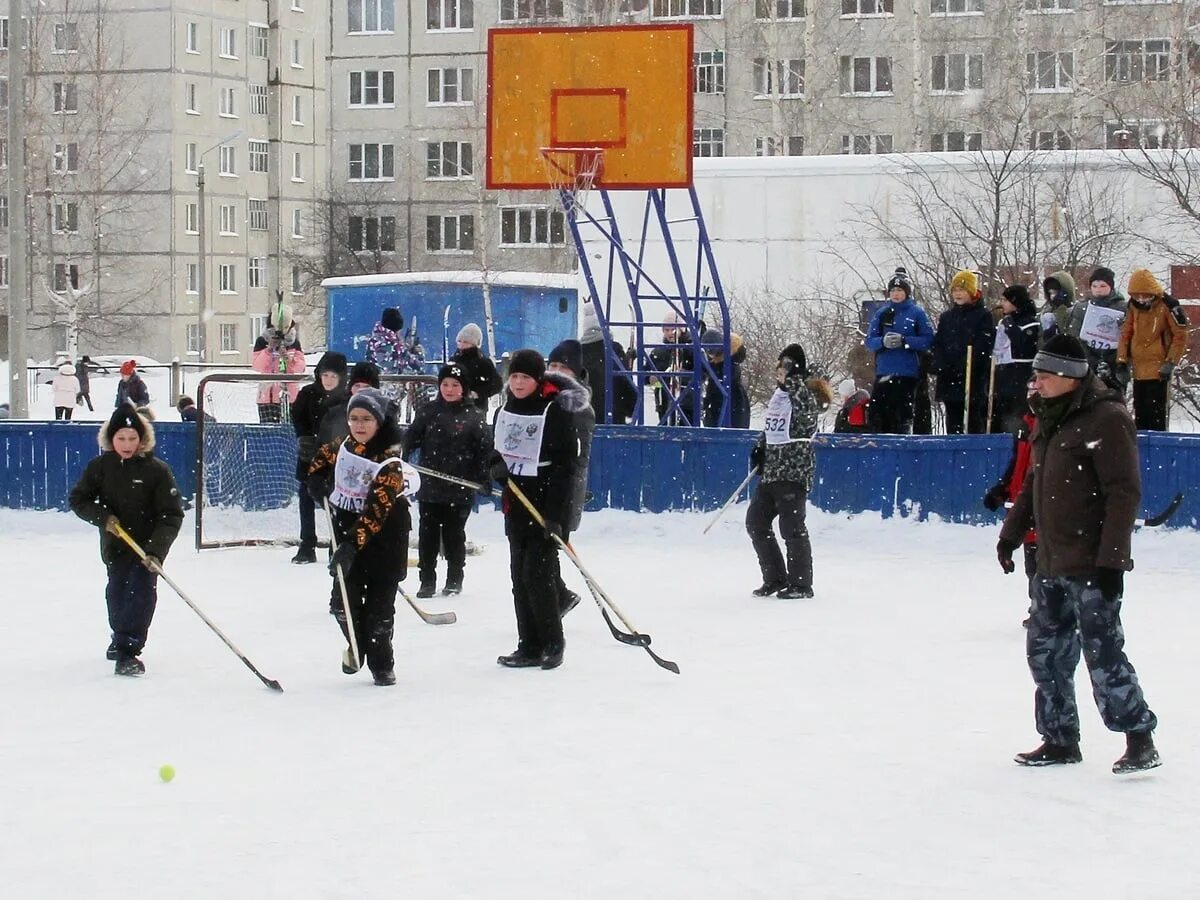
(855,745)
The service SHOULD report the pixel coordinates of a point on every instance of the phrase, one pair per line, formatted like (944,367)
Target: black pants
(785,500)
(954,414)
(308,517)
(270,413)
(63,412)
(1150,404)
(132,595)
(535,593)
(86,397)
(372,600)
(442,526)
(891,410)
(560,586)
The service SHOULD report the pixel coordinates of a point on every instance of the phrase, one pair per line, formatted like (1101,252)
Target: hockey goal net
(246,488)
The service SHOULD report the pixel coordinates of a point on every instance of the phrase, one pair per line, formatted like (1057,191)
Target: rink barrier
(654,469)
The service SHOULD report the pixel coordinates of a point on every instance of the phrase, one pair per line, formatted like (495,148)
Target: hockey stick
(355,658)
(442,618)
(1168,511)
(158,570)
(720,512)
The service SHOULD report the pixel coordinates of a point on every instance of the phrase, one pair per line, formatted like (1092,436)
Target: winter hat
(847,388)
(286,318)
(66,369)
(900,280)
(527,362)
(591,334)
(364,373)
(391,319)
(372,400)
(1143,282)
(452,370)
(184,402)
(795,355)
(124,416)
(568,353)
(471,334)
(1063,355)
(128,367)
(1106,275)
(331,361)
(1018,296)
(967,281)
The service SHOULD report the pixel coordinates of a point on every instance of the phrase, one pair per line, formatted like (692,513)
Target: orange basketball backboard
(626,90)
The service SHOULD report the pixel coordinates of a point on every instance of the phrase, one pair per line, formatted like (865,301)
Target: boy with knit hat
(898,335)
(1018,335)
(308,410)
(1097,322)
(481,381)
(1154,339)
(127,485)
(966,328)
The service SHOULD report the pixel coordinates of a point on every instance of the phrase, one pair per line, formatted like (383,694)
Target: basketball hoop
(573,172)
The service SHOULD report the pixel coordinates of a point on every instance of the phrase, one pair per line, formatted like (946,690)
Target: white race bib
(352,477)
(1101,327)
(519,440)
(778,424)
(1002,350)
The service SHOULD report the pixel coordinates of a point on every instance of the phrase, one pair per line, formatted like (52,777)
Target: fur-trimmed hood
(572,396)
(145,448)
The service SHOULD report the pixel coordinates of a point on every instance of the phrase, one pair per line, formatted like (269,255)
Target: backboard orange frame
(626,89)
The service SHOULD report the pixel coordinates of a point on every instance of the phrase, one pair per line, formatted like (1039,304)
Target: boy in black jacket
(967,326)
(453,439)
(126,485)
(537,449)
(307,411)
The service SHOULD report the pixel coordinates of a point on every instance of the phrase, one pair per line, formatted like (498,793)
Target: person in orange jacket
(1153,341)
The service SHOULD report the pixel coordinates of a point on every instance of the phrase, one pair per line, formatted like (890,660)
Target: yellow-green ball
(166,773)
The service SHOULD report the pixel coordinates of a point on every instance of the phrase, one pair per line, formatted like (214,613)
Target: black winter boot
(520,659)
(1050,754)
(111,653)
(129,665)
(768,588)
(1140,754)
(385,678)
(795,592)
(305,554)
(552,656)
(427,589)
(453,585)
(567,602)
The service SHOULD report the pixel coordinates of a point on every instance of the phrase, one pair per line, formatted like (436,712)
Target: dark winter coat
(1084,490)
(550,490)
(1103,360)
(139,491)
(969,324)
(794,461)
(575,399)
(624,393)
(132,390)
(309,408)
(739,399)
(331,414)
(453,439)
(83,373)
(479,376)
(911,323)
(1024,331)
(1055,314)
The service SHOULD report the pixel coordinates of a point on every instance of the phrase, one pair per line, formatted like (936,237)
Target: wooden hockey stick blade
(442,618)
(1170,510)
(640,640)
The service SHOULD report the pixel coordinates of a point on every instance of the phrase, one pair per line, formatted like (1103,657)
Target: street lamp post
(201,218)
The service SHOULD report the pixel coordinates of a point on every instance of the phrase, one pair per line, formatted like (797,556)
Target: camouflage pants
(1070,613)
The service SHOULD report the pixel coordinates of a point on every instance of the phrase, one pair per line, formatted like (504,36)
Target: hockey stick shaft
(1169,510)
(158,570)
(724,506)
(341,580)
(443,618)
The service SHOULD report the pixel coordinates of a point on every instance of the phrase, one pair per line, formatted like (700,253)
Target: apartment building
(126,105)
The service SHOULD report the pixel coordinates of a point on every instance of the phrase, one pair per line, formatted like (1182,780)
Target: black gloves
(153,563)
(498,469)
(1111,583)
(553,530)
(318,488)
(757,456)
(306,447)
(343,556)
(1165,370)
(1004,553)
(995,497)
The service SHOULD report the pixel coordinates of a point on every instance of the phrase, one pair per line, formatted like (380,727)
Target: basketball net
(573,172)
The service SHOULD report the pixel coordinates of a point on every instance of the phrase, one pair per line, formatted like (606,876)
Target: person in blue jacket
(899,333)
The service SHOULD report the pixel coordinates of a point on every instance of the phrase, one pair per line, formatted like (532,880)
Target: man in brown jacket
(1082,494)
(1153,339)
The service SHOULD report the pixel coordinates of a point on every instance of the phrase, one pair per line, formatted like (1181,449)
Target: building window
(452,87)
(259,156)
(190,103)
(955,7)
(297,280)
(3,93)
(372,88)
(866,76)
(66,275)
(192,338)
(229,343)
(709,66)
(193,278)
(229,43)
(258,99)
(4,259)
(372,162)
(297,166)
(1050,6)
(297,6)
(3,212)
(297,223)
(227,278)
(1122,135)
(784,77)
(189,158)
(66,37)
(66,158)
(66,97)
(259,41)
(4,46)
(450,234)
(682,9)
(1126,62)
(950,141)
(866,7)
(297,110)
(1049,72)
(779,9)
(66,217)
(523,10)
(793,145)
(227,108)
(191,218)
(956,73)
(228,165)
(708,142)
(863,144)
(532,226)
(229,218)
(1056,139)
(192,37)
(297,55)
(448,159)
(372,233)
(256,272)
(449,15)
(258,323)
(371,16)
(257,214)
